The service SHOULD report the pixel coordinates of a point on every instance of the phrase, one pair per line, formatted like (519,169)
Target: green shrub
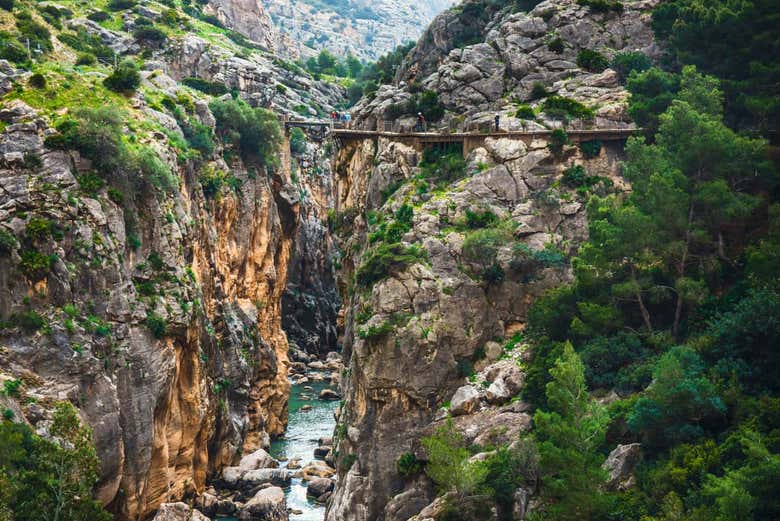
(408,465)
(8,414)
(205,86)
(35,264)
(37,81)
(562,108)
(538,91)
(603,6)
(297,141)
(156,325)
(157,173)
(125,78)
(86,58)
(591,149)
(119,5)
(374,332)
(624,63)
(255,132)
(31,321)
(481,246)
(99,16)
(525,112)
(11,387)
(11,49)
(87,43)
(556,45)
(212,181)
(480,219)
(494,274)
(39,228)
(442,168)
(387,259)
(149,35)
(592,61)
(574,176)
(91,183)
(558,139)
(7,242)
(38,35)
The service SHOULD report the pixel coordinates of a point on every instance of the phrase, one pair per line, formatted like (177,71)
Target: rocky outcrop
(269,504)
(493,77)
(170,410)
(247,17)
(620,464)
(178,512)
(444,316)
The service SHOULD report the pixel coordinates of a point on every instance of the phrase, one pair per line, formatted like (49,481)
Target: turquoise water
(303,431)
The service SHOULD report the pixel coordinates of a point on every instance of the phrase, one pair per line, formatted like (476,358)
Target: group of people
(341,117)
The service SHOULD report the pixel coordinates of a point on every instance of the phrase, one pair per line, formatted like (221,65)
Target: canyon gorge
(221,300)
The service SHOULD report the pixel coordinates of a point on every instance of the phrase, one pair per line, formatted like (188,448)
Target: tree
(679,404)
(569,437)
(448,462)
(50,480)
(255,132)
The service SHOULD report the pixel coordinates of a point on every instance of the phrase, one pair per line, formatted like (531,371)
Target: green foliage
(680,403)
(603,6)
(34,264)
(538,91)
(37,81)
(8,5)
(39,228)
(556,45)
(149,35)
(407,465)
(387,259)
(481,246)
(11,387)
(591,149)
(480,219)
(442,168)
(87,44)
(7,242)
(735,41)
(43,477)
(525,112)
(448,462)
(652,91)
(592,61)
(559,138)
(569,437)
(625,63)
(31,321)
(155,171)
(125,79)
(426,102)
(12,50)
(212,180)
(91,183)
(29,29)
(120,5)
(156,324)
(208,87)
(297,141)
(562,108)
(255,132)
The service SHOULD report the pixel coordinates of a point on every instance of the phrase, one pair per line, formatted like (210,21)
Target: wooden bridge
(468,140)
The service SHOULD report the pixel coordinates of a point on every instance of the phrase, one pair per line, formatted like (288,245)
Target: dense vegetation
(48,478)
(674,306)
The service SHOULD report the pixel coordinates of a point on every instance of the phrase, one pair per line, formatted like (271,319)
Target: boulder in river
(178,512)
(329,395)
(258,459)
(268,504)
(316,469)
(318,488)
(322,451)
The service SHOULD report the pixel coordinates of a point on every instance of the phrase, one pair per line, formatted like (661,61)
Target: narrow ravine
(306,426)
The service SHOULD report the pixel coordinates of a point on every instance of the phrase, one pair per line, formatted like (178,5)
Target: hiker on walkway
(421,123)
(498,118)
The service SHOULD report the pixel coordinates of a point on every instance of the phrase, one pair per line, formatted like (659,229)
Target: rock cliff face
(445,317)
(166,412)
(517,51)
(491,239)
(247,17)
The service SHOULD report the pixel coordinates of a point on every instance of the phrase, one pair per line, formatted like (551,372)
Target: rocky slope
(158,312)
(474,83)
(440,331)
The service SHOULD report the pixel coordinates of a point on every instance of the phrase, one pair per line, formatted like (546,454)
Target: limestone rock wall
(444,315)
(166,412)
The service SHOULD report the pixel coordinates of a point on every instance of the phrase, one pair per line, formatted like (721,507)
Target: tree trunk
(681,273)
(641,302)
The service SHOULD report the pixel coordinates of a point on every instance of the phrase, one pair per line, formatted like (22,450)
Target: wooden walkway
(469,140)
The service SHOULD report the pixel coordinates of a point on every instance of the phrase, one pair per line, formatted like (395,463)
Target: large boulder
(259,459)
(464,401)
(318,488)
(316,469)
(268,504)
(620,464)
(178,512)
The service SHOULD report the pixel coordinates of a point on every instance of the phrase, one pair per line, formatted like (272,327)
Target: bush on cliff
(44,478)
(254,132)
(386,260)
(125,78)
